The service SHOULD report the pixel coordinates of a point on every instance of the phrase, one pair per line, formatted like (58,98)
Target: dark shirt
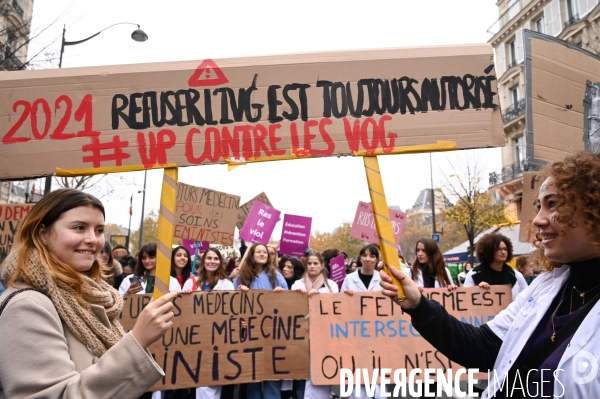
(366,279)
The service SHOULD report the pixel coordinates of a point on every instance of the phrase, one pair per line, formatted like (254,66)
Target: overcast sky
(326,189)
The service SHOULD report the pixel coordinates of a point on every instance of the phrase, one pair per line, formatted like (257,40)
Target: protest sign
(129,117)
(531,188)
(295,235)
(10,215)
(206,345)
(191,246)
(562,98)
(337,270)
(202,214)
(225,250)
(245,209)
(368,329)
(363,227)
(260,223)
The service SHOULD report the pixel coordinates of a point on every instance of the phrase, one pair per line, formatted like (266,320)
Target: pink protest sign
(260,223)
(364,228)
(337,270)
(191,246)
(295,235)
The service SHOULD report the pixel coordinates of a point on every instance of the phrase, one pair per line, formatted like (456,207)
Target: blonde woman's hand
(452,287)
(154,321)
(312,292)
(243,288)
(348,291)
(278,289)
(302,290)
(411,291)
(484,285)
(133,289)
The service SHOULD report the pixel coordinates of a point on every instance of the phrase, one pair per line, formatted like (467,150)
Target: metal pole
(129,228)
(143,204)
(432,195)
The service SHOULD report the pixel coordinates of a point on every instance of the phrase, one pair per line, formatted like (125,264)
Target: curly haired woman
(552,326)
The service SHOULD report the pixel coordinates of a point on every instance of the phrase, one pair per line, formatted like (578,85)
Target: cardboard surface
(531,188)
(562,103)
(245,209)
(205,346)
(202,214)
(260,223)
(367,328)
(10,216)
(363,226)
(295,235)
(112,118)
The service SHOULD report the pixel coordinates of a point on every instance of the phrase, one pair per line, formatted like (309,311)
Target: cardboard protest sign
(202,214)
(127,117)
(337,270)
(531,188)
(363,227)
(225,250)
(562,98)
(260,223)
(295,235)
(10,215)
(245,209)
(368,329)
(206,345)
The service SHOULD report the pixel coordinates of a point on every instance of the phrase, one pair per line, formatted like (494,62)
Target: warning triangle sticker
(207,74)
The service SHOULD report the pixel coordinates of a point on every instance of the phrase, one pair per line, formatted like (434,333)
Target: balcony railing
(572,21)
(8,61)
(17,7)
(512,64)
(508,173)
(505,18)
(514,111)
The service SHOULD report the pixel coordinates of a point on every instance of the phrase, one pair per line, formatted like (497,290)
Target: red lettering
(352,134)
(34,118)
(260,134)
(213,157)
(308,136)
(230,143)
(8,138)
(246,140)
(58,133)
(189,146)
(364,135)
(273,140)
(148,157)
(85,112)
(296,143)
(326,138)
(387,146)
(163,145)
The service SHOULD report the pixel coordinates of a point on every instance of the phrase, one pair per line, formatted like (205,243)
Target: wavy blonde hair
(575,177)
(46,213)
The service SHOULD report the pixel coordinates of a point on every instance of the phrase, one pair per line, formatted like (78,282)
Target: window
(512,53)
(519,150)
(539,24)
(573,9)
(513,93)
(514,6)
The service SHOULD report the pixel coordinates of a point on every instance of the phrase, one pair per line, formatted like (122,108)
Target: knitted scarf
(77,315)
(316,284)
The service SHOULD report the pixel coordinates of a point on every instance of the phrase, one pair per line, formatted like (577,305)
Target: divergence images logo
(585,367)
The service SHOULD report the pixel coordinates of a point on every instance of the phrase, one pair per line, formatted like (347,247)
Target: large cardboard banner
(207,345)
(202,214)
(245,209)
(10,215)
(107,118)
(367,329)
(531,188)
(562,98)
(363,226)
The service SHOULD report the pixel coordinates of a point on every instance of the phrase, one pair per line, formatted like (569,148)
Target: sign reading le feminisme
(98,119)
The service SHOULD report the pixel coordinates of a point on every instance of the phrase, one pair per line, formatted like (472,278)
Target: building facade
(576,21)
(15,27)
(422,204)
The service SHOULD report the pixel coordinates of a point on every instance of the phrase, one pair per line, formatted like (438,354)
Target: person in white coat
(553,326)
(211,277)
(145,274)
(365,278)
(429,269)
(493,250)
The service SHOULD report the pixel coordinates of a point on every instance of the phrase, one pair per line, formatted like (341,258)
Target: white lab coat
(222,285)
(514,327)
(323,290)
(519,286)
(173,285)
(354,283)
(419,280)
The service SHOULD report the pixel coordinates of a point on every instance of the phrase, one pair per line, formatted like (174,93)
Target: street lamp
(138,35)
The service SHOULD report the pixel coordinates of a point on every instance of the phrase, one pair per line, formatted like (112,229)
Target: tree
(111,229)
(475,209)
(339,239)
(150,231)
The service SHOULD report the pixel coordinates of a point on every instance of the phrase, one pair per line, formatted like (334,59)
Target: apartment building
(576,21)
(15,26)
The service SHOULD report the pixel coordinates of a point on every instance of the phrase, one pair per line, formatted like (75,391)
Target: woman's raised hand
(155,320)
(278,289)
(243,288)
(411,291)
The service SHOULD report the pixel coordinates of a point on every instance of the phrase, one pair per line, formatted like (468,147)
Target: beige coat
(41,358)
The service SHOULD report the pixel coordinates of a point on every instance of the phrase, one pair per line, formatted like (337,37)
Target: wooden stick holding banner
(382,221)
(166,228)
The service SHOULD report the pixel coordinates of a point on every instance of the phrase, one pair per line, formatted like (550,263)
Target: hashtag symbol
(99,151)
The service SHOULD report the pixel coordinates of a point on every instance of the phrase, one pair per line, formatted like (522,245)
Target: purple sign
(191,246)
(295,235)
(337,270)
(260,223)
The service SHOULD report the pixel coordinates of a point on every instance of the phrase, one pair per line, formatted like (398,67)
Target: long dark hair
(218,275)
(187,269)
(107,249)
(435,266)
(249,267)
(148,249)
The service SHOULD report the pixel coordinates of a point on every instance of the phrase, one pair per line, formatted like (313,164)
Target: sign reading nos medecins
(238,110)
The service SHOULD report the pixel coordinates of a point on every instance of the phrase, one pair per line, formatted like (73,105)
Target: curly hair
(577,177)
(487,245)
